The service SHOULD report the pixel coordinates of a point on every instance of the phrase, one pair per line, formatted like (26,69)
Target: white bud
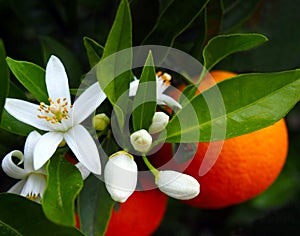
(100,121)
(159,122)
(120,176)
(177,185)
(141,140)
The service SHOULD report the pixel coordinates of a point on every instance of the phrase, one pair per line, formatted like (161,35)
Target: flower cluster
(62,122)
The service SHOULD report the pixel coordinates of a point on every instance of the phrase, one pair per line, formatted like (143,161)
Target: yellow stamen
(55,112)
(165,77)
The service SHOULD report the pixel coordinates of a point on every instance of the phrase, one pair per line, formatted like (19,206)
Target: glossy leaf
(144,103)
(12,125)
(69,59)
(95,206)
(7,230)
(221,46)
(170,25)
(31,76)
(4,77)
(250,102)
(214,17)
(94,50)
(110,71)
(237,13)
(27,218)
(63,185)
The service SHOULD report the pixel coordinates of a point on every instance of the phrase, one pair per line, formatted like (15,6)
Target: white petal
(133,87)
(84,148)
(57,80)
(26,112)
(45,148)
(35,186)
(167,100)
(87,103)
(17,188)
(84,171)
(178,185)
(160,85)
(30,143)
(120,175)
(10,168)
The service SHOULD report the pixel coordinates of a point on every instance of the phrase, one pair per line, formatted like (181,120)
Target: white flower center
(55,112)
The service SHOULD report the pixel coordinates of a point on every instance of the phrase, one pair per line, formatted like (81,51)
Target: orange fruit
(246,165)
(140,215)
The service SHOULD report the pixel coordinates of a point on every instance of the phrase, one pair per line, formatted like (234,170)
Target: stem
(154,171)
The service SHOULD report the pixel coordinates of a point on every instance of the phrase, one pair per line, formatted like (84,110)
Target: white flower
(162,83)
(159,122)
(177,185)
(60,118)
(120,175)
(141,140)
(32,182)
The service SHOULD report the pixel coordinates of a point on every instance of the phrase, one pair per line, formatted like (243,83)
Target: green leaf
(221,46)
(94,50)
(95,206)
(240,105)
(63,185)
(144,103)
(237,13)
(27,218)
(187,94)
(111,68)
(16,92)
(214,17)
(70,61)
(12,125)
(7,230)
(175,17)
(31,76)
(198,43)
(4,78)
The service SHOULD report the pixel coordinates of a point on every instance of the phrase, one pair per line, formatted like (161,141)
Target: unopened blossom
(100,121)
(60,118)
(32,182)
(159,122)
(162,83)
(120,176)
(177,185)
(141,140)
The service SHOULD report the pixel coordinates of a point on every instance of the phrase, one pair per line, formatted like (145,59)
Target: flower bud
(159,122)
(100,121)
(120,175)
(177,185)
(141,140)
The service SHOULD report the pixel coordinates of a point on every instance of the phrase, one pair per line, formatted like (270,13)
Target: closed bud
(100,121)
(141,140)
(159,122)
(177,185)
(120,176)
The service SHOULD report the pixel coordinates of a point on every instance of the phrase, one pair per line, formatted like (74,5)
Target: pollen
(166,78)
(55,112)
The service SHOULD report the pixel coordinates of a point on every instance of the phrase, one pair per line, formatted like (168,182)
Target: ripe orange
(140,215)
(246,166)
